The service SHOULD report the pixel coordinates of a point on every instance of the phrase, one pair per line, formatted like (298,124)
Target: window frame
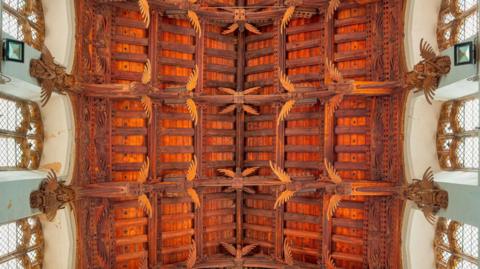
(30,159)
(448,155)
(22,246)
(455,25)
(448,229)
(23,21)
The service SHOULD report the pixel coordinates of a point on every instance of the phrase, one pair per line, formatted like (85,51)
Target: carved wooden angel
(427,195)
(426,74)
(51,196)
(51,76)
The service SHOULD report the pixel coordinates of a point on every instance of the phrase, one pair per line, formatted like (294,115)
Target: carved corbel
(51,196)
(427,195)
(240,23)
(51,76)
(426,74)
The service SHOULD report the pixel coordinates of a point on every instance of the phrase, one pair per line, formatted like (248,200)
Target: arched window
(458,135)
(23,19)
(456,245)
(21,134)
(21,244)
(457,21)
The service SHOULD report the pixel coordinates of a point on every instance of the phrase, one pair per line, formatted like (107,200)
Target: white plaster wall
(60,29)
(58,122)
(418,236)
(420,136)
(420,22)
(59,240)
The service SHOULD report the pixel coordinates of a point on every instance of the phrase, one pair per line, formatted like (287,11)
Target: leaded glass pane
(466,265)
(10,115)
(468,152)
(12,264)
(10,152)
(467,236)
(469,115)
(466,4)
(11,26)
(15,4)
(469,27)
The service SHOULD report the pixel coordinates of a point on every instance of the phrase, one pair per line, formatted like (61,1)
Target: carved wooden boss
(261,134)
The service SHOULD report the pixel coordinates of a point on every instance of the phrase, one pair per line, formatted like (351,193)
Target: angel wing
(281,175)
(227,172)
(252,28)
(194,196)
(329,261)
(332,6)
(192,108)
(286,108)
(192,256)
(287,252)
(230,29)
(249,171)
(332,205)
(230,248)
(47,90)
(228,109)
(248,249)
(51,180)
(47,56)
(429,216)
(147,73)
(427,178)
(148,107)
(145,11)
(333,103)
(143,174)
(250,110)
(145,205)
(192,16)
(228,90)
(426,50)
(283,198)
(332,172)
(143,264)
(333,73)
(429,86)
(286,83)
(287,16)
(192,80)
(192,169)
(250,90)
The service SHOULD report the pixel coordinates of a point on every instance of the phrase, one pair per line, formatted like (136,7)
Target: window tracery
(456,245)
(457,21)
(23,19)
(21,134)
(21,244)
(458,135)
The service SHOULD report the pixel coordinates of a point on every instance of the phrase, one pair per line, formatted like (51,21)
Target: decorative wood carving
(51,76)
(427,195)
(426,74)
(51,196)
(137,119)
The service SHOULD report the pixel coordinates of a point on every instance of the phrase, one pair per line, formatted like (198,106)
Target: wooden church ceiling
(265,146)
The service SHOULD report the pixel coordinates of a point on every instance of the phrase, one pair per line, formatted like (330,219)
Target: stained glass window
(458,143)
(21,134)
(21,244)
(457,21)
(456,245)
(23,19)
